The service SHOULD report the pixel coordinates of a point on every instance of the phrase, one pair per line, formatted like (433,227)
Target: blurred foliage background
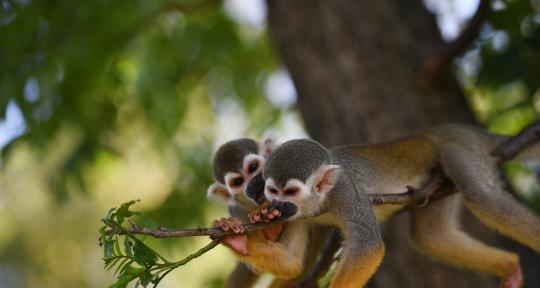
(107,101)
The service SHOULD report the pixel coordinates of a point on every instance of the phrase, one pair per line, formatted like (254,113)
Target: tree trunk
(356,67)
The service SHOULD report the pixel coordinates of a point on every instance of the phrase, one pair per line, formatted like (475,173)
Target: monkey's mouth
(255,189)
(287,209)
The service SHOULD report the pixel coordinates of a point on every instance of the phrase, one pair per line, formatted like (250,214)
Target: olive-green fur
(229,157)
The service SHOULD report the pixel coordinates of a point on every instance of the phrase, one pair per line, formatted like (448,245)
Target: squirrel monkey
(236,163)
(332,186)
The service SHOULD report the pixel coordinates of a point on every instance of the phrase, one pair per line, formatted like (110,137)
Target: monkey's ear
(218,192)
(267,145)
(326,178)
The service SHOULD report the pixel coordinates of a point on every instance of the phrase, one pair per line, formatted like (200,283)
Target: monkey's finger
(257,217)
(276,213)
(217,224)
(224,227)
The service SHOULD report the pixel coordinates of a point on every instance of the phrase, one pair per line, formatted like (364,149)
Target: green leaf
(111,262)
(122,265)
(128,275)
(146,278)
(146,222)
(127,247)
(109,215)
(123,212)
(143,255)
(116,248)
(108,248)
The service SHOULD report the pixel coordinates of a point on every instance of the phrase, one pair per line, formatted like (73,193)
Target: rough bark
(357,70)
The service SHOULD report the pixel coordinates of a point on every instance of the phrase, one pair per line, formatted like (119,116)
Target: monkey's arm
(363,248)
(284,258)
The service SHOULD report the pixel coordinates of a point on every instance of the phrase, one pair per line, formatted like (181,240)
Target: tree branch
(162,232)
(514,145)
(435,65)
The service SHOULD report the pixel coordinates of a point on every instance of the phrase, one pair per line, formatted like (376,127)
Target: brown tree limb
(162,232)
(435,65)
(514,145)
(412,197)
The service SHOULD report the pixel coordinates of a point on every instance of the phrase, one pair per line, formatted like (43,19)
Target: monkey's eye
(272,190)
(291,191)
(237,181)
(253,167)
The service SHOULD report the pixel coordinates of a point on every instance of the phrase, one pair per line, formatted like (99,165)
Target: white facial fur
(238,192)
(218,192)
(308,197)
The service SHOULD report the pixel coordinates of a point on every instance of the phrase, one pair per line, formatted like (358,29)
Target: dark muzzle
(255,189)
(287,209)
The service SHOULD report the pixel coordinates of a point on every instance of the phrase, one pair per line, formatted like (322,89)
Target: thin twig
(436,64)
(187,232)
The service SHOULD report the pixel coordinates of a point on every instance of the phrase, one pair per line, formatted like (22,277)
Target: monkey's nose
(255,189)
(287,209)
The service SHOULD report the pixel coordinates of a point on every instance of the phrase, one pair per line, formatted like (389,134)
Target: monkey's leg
(318,235)
(241,277)
(476,176)
(284,258)
(435,231)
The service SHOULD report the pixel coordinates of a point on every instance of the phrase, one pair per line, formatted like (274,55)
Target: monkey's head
(300,172)
(237,163)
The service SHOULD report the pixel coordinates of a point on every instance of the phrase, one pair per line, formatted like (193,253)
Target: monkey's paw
(237,243)
(264,213)
(514,280)
(230,224)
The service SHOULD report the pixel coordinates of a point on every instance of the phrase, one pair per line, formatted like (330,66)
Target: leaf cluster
(131,259)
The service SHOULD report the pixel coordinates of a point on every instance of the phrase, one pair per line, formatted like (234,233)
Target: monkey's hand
(236,242)
(264,213)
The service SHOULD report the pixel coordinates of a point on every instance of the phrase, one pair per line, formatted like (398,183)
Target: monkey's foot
(264,213)
(238,243)
(514,280)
